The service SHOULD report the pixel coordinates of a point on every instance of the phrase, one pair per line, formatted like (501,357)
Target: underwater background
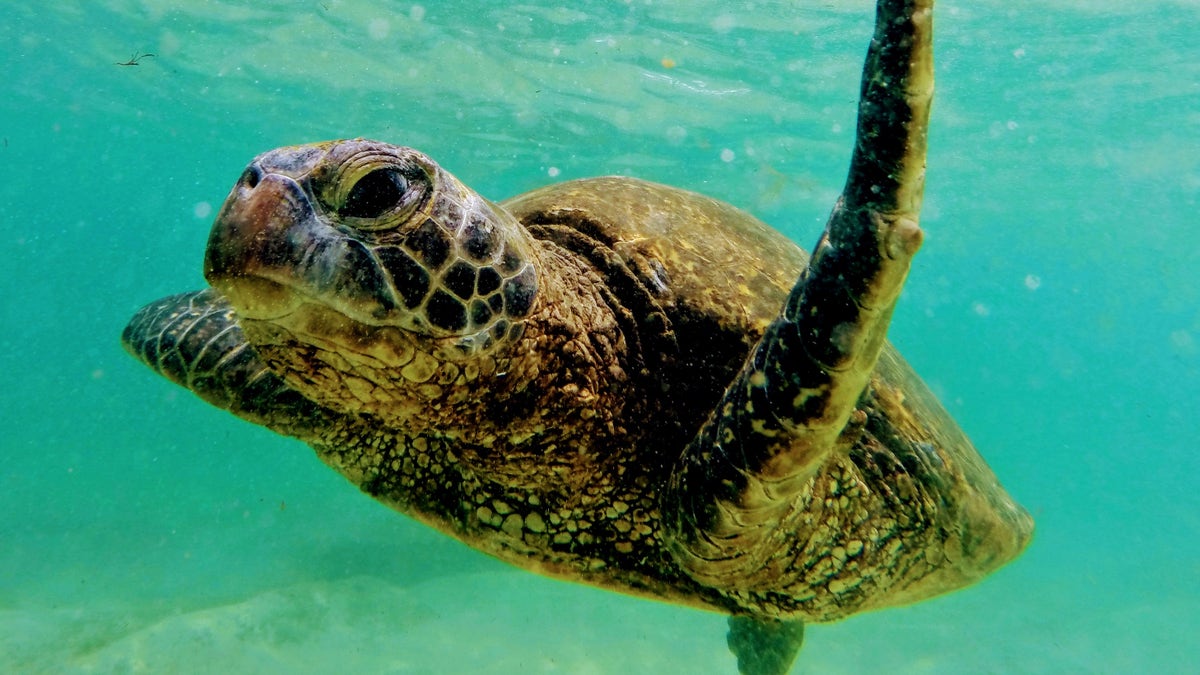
(1055,309)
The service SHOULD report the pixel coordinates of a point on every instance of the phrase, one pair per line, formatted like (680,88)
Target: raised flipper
(193,340)
(764,646)
(781,420)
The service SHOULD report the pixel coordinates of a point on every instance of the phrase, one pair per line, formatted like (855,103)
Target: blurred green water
(1054,306)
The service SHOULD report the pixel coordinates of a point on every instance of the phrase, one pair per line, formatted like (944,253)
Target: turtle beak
(249,258)
(273,248)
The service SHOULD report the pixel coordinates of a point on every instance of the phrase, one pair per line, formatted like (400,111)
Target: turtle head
(379,234)
(367,255)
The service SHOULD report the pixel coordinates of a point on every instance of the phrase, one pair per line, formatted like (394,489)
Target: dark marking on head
(430,244)
(516,331)
(480,312)
(358,276)
(496,302)
(500,329)
(449,212)
(445,312)
(410,280)
(489,280)
(509,262)
(460,279)
(479,241)
(519,292)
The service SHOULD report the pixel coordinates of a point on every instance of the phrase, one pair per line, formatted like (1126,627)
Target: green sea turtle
(607,380)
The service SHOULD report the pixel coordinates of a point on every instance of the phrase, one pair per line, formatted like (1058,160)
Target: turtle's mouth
(245,258)
(260,299)
(287,276)
(270,253)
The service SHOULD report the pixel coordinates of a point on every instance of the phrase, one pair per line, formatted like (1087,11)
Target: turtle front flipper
(779,422)
(193,340)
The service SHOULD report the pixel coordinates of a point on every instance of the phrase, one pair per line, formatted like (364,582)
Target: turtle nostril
(251,176)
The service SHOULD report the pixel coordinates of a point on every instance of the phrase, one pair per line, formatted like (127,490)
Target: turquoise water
(1054,308)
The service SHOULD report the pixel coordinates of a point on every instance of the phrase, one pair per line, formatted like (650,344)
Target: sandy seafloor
(1054,308)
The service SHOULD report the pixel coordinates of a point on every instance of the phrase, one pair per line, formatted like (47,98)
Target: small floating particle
(1183,341)
(378,29)
(1033,282)
(668,62)
(727,155)
(723,23)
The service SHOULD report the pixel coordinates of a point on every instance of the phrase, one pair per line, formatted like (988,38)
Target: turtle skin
(610,381)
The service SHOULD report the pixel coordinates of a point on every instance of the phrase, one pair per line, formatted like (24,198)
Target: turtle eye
(375,194)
